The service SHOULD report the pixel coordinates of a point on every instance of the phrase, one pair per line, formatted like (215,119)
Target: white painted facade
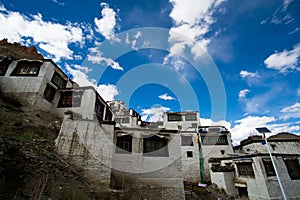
(260,181)
(29,89)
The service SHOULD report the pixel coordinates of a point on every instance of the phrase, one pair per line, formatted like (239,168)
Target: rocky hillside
(18,51)
(29,166)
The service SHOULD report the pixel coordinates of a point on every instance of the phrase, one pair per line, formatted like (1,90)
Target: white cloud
(245,74)
(106,25)
(153,114)
(246,127)
(284,61)
(294,31)
(298,92)
(292,111)
(166,97)
(59,3)
(209,122)
(281,15)
(96,56)
(243,128)
(54,38)
(243,93)
(107,92)
(192,19)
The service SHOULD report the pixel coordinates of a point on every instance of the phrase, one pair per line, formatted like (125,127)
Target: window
(189,154)
(58,80)
(99,108)
(214,140)
(70,99)
(155,146)
(4,63)
(245,169)
(269,167)
(292,165)
(174,117)
(49,92)
(125,120)
(27,68)
(124,144)
(191,117)
(222,152)
(108,114)
(187,141)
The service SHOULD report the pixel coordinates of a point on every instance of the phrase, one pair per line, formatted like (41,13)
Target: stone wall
(88,144)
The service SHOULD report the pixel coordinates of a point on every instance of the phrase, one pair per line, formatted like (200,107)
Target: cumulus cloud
(96,57)
(106,25)
(154,114)
(166,97)
(107,92)
(243,93)
(292,111)
(245,127)
(245,74)
(53,38)
(192,20)
(284,61)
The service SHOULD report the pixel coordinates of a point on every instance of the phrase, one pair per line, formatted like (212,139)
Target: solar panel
(263,130)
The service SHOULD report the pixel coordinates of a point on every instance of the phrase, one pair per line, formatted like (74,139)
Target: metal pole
(201,160)
(275,169)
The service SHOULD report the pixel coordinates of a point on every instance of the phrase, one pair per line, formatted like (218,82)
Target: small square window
(189,154)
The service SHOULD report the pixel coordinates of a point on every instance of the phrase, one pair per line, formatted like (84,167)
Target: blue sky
(237,62)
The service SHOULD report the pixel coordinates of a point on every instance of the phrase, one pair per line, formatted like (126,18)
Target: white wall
(89,145)
(162,174)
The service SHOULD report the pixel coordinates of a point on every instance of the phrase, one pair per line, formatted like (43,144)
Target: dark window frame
(187,140)
(49,92)
(99,108)
(59,81)
(269,168)
(245,169)
(124,144)
(24,68)
(108,114)
(191,117)
(70,99)
(155,146)
(172,117)
(4,64)
(293,168)
(189,154)
(214,140)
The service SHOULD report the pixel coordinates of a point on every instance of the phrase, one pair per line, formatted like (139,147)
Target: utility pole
(201,160)
(264,130)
